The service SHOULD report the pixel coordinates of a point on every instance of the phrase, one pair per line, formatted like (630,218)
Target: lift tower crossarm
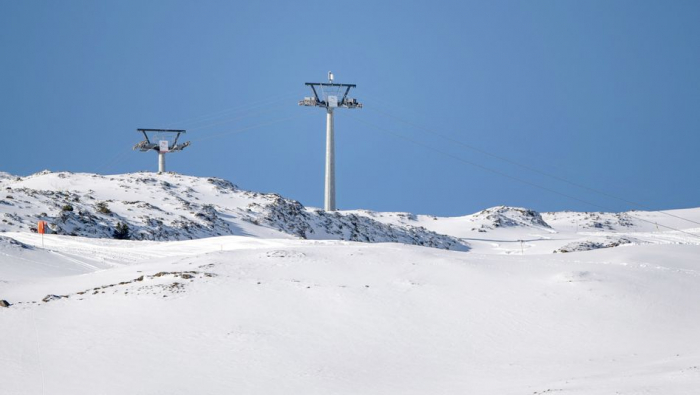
(178,131)
(162,141)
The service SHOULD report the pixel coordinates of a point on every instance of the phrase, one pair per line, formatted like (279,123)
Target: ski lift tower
(161,141)
(330,96)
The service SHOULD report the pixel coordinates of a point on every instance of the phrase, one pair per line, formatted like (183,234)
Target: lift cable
(238,108)
(236,118)
(246,128)
(500,173)
(121,156)
(527,167)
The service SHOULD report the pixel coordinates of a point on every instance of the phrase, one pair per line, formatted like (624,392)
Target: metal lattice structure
(161,141)
(330,96)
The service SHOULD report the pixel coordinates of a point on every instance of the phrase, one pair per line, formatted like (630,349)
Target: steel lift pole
(330,96)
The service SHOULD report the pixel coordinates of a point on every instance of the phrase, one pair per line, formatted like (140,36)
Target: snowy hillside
(224,291)
(513,230)
(176,207)
(249,315)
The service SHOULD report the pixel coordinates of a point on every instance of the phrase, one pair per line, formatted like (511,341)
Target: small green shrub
(67,207)
(103,208)
(121,232)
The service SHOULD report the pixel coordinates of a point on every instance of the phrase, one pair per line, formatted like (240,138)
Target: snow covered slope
(513,230)
(251,315)
(177,207)
(226,291)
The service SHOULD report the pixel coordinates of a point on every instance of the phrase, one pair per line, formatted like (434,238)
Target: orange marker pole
(42,229)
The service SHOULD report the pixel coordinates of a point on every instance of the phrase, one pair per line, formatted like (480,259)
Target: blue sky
(603,94)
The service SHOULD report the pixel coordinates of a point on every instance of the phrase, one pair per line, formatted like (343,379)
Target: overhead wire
(238,108)
(233,114)
(236,118)
(506,175)
(246,128)
(115,159)
(122,155)
(527,167)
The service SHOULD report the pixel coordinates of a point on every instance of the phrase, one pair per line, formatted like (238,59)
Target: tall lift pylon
(330,96)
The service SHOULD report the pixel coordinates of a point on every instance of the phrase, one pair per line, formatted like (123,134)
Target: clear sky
(604,94)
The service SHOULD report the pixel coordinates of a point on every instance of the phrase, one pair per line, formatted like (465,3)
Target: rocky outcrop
(175,207)
(504,217)
(588,245)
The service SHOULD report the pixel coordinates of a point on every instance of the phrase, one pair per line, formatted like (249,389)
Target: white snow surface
(259,310)
(176,207)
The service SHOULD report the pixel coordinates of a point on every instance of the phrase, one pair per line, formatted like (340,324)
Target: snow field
(284,316)
(256,294)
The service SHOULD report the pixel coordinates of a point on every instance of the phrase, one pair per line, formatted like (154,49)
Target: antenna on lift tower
(330,96)
(161,141)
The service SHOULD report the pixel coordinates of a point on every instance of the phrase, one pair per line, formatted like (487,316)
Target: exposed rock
(175,207)
(594,245)
(594,220)
(292,217)
(504,216)
(49,298)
